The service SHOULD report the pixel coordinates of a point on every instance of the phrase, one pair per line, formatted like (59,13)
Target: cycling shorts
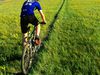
(25,20)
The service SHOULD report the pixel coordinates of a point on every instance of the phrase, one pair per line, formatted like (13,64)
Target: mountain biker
(28,16)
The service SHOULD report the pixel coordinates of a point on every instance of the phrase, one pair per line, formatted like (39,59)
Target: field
(71,38)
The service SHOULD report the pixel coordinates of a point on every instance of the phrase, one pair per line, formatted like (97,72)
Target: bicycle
(29,51)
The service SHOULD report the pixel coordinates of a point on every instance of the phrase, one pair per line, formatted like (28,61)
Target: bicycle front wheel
(26,59)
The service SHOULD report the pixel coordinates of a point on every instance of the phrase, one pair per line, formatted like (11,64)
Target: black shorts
(25,20)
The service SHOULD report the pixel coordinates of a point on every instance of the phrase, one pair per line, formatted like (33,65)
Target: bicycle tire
(31,53)
(26,60)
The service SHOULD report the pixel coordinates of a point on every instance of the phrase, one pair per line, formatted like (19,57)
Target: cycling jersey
(29,7)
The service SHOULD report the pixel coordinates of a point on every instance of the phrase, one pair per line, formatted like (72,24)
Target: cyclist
(28,16)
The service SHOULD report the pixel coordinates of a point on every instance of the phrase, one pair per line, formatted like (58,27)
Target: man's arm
(42,16)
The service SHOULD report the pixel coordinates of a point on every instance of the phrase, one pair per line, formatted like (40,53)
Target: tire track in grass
(51,26)
(74,48)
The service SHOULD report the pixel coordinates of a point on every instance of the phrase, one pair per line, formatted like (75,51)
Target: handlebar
(42,22)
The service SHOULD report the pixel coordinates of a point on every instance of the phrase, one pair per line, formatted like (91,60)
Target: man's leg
(37,39)
(38,30)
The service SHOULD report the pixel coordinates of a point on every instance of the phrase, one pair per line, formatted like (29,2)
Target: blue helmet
(31,0)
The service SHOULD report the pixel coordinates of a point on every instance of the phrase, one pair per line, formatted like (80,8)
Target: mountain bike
(29,51)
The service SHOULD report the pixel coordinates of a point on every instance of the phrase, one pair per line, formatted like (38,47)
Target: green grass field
(72,46)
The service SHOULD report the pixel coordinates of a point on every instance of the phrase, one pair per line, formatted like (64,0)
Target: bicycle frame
(29,51)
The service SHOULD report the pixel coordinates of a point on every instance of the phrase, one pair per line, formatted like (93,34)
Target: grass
(72,47)
(10,40)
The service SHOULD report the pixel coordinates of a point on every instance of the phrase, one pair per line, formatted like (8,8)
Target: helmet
(31,0)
